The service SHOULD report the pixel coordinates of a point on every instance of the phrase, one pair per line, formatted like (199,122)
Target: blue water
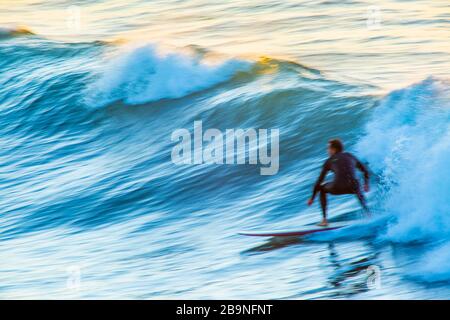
(88,188)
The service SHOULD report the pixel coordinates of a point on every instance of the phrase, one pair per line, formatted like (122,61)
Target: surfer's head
(335,146)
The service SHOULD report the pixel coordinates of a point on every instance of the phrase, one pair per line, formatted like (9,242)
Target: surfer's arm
(364,170)
(323,173)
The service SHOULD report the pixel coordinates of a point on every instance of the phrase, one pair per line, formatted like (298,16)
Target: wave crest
(9,32)
(146,74)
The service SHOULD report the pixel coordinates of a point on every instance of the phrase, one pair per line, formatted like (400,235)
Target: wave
(146,73)
(407,142)
(9,32)
(255,93)
(434,265)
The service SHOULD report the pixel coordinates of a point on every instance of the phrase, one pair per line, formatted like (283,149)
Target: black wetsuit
(343,165)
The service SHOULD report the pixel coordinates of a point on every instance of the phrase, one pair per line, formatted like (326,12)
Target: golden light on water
(318,36)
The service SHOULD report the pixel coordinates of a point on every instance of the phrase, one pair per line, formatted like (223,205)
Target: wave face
(408,143)
(88,180)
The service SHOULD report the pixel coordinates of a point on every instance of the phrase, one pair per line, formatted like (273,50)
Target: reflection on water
(346,276)
(351,277)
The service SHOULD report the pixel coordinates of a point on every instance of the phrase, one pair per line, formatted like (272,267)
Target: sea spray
(408,144)
(146,73)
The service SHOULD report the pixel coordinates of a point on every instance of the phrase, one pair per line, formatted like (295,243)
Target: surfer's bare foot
(323,223)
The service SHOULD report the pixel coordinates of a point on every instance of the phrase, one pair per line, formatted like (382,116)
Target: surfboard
(295,232)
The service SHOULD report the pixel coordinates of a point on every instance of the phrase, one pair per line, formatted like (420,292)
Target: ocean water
(93,207)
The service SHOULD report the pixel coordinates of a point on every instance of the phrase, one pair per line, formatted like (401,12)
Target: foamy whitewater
(93,207)
(144,74)
(408,144)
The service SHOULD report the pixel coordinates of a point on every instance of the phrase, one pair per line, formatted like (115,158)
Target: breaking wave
(408,144)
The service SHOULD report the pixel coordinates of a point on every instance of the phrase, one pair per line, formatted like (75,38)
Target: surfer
(343,165)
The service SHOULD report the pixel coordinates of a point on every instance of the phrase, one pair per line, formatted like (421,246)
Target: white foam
(408,144)
(435,265)
(145,73)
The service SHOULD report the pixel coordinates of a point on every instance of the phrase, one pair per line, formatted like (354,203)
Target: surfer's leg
(323,202)
(324,189)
